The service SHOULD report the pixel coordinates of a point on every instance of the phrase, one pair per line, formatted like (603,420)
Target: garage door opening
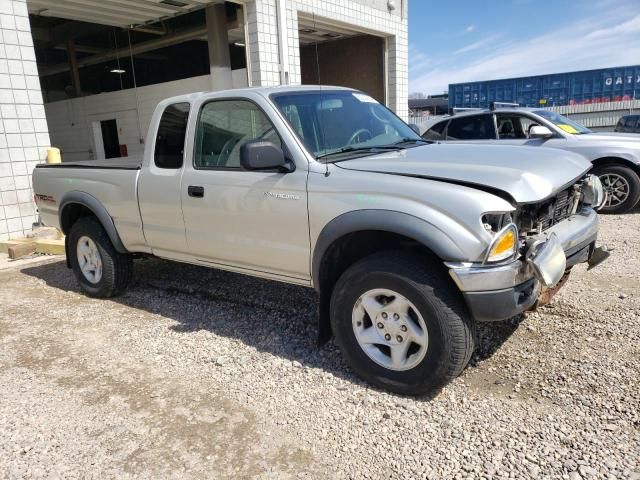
(102,70)
(331,55)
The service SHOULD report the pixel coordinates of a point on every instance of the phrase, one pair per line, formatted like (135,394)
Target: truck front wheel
(401,325)
(100,270)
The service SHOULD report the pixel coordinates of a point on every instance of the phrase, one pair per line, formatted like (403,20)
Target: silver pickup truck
(407,243)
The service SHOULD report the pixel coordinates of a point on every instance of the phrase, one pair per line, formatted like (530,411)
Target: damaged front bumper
(499,292)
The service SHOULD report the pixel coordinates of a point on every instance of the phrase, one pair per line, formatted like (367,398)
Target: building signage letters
(619,80)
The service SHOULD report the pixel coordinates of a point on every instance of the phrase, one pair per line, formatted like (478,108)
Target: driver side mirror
(540,131)
(261,155)
(415,128)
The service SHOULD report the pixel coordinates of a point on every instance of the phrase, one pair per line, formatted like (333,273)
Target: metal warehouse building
(616,84)
(85,75)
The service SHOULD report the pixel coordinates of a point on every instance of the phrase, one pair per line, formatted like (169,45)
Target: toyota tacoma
(407,243)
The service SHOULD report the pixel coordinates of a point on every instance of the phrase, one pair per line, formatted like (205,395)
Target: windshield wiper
(410,140)
(350,149)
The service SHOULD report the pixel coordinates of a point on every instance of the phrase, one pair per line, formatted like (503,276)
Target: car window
(169,147)
(479,127)
(224,126)
(631,121)
(514,126)
(435,132)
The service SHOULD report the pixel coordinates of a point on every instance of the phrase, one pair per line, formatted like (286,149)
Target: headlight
(593,192)
(504,245)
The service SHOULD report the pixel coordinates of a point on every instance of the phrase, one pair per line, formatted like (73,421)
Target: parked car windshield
(336,124)
(563,123)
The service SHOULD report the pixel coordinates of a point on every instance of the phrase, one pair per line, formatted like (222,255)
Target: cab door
(248,221)
(159,186)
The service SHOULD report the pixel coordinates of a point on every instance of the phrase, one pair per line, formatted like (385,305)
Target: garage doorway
(331,55)
(110,142)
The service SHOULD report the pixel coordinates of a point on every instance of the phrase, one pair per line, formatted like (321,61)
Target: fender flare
(101,213)
(387,221)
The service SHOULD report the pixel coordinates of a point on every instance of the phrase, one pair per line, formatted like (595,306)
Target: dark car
(628,124)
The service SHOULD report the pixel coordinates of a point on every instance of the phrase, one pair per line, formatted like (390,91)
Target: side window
(223,127)
(526,123)
(435,132)
(512,126)
(478,127)
(169,148)
(631,121)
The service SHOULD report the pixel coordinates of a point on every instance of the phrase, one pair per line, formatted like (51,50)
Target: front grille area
(560,209)
(536,218)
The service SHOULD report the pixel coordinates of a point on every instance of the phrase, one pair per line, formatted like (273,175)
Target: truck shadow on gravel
(269,316)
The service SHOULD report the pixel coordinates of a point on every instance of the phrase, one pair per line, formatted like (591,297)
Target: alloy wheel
(390,329)
(616,187)
(89,259)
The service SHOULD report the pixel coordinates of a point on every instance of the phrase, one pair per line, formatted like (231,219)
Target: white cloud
(470,28)
(477,45)
(598,42)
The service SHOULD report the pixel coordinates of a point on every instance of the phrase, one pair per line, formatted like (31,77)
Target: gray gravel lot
(197,373)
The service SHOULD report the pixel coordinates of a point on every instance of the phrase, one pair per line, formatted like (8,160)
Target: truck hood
(525,174)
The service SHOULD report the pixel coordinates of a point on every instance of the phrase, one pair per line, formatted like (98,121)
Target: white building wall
(365,16)
(70,121)
(23,130)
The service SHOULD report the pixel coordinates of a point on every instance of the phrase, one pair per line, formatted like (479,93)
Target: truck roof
(265,91)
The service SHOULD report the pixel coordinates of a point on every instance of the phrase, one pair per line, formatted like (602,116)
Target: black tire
(117,268)
(633,181)
(449,326)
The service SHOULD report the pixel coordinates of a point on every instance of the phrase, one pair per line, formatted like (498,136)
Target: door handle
(195,191)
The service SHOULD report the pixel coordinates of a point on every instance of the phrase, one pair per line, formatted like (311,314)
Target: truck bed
(111,182)
(124,163)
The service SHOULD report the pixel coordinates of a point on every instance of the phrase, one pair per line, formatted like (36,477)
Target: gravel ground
(196,373)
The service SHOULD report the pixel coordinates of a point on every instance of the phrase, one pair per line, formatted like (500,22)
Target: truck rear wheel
(100,270)
(400,325)
(622,185)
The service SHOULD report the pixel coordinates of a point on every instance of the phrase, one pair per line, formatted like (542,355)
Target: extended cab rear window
(169,148)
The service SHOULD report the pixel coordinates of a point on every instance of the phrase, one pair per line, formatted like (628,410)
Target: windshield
(563,123)
(333,122)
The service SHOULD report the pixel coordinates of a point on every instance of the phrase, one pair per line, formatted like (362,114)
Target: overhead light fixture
(331,35)
(174,3)
(239,44)
(308,30)
(118,70)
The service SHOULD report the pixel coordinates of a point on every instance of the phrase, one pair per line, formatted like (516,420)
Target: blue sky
(465,40)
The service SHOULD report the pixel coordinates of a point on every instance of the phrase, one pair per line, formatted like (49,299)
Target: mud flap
(599,255)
